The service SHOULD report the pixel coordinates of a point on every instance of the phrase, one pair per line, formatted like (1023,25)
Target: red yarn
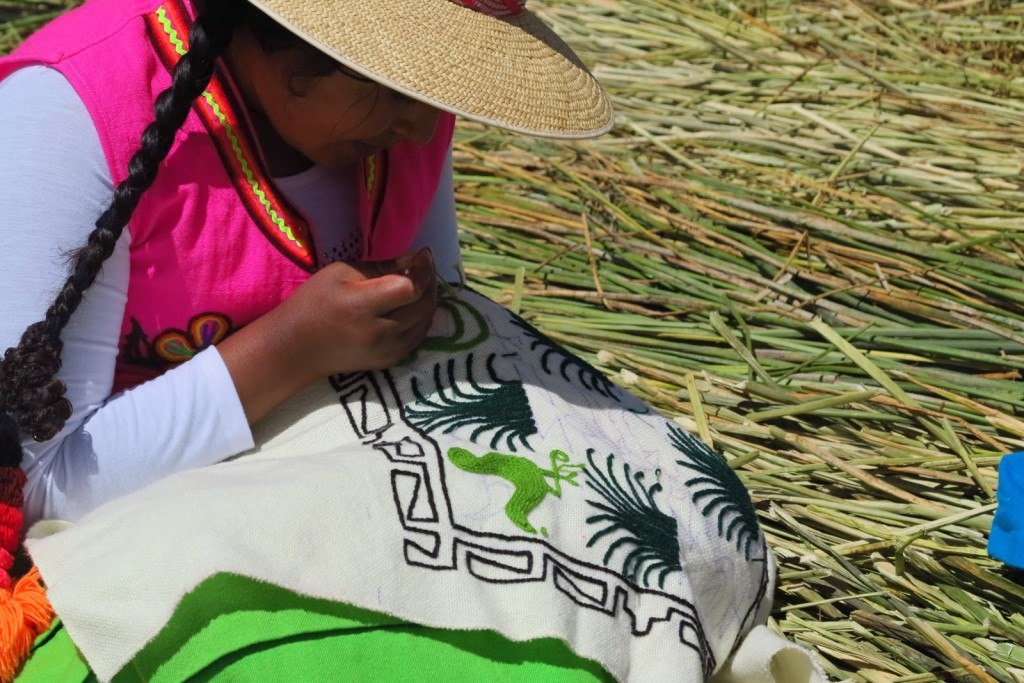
(12,498)
(10,527)
(12,485)
(6,562)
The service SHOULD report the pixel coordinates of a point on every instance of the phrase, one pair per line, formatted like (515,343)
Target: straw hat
(489,60)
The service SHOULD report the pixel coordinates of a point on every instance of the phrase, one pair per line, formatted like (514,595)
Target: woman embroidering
(282,214)
(214,253)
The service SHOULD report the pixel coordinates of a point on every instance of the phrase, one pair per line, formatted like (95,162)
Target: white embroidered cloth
(493,482)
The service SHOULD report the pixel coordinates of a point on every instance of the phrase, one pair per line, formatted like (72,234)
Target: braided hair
(32,398)
(30,394)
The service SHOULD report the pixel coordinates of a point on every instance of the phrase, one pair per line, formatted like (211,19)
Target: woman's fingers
(416,283)
(410,316)
(352,317)
(397,266)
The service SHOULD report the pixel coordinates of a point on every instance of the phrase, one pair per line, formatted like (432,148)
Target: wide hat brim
(512,72)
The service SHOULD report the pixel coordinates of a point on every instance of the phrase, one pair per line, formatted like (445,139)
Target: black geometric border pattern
(434,541)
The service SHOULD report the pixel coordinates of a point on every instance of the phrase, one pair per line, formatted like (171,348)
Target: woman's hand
(351,317)
(345,318)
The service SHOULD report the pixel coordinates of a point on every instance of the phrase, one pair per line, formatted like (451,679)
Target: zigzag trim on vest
(375,171)
(276,218)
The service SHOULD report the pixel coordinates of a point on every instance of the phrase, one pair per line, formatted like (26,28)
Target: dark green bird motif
(718,491)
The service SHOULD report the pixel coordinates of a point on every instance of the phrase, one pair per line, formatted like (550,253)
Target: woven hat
(489,60)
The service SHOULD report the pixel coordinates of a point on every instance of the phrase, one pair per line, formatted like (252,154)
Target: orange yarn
(25,613)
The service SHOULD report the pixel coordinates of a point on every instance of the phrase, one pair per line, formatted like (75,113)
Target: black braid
(30,393)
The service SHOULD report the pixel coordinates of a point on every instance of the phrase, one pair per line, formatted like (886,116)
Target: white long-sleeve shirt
(54,184)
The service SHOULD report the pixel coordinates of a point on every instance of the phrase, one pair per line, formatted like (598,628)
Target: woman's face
(335,119)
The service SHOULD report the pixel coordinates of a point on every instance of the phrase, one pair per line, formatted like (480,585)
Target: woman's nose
(416,126)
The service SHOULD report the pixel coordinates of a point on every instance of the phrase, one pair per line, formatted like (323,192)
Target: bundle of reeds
(18,18)
(803,240)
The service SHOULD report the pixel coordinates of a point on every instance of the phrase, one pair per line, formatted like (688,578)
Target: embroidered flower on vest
(204,330)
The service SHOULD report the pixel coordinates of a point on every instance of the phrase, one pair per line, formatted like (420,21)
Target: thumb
(344,271)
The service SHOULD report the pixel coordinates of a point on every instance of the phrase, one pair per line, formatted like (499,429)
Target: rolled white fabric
(766,657)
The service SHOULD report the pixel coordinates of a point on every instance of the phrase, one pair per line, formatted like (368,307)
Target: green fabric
(54,658)
(232,628)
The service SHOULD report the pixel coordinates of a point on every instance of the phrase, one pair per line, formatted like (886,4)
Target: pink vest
(214,245)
